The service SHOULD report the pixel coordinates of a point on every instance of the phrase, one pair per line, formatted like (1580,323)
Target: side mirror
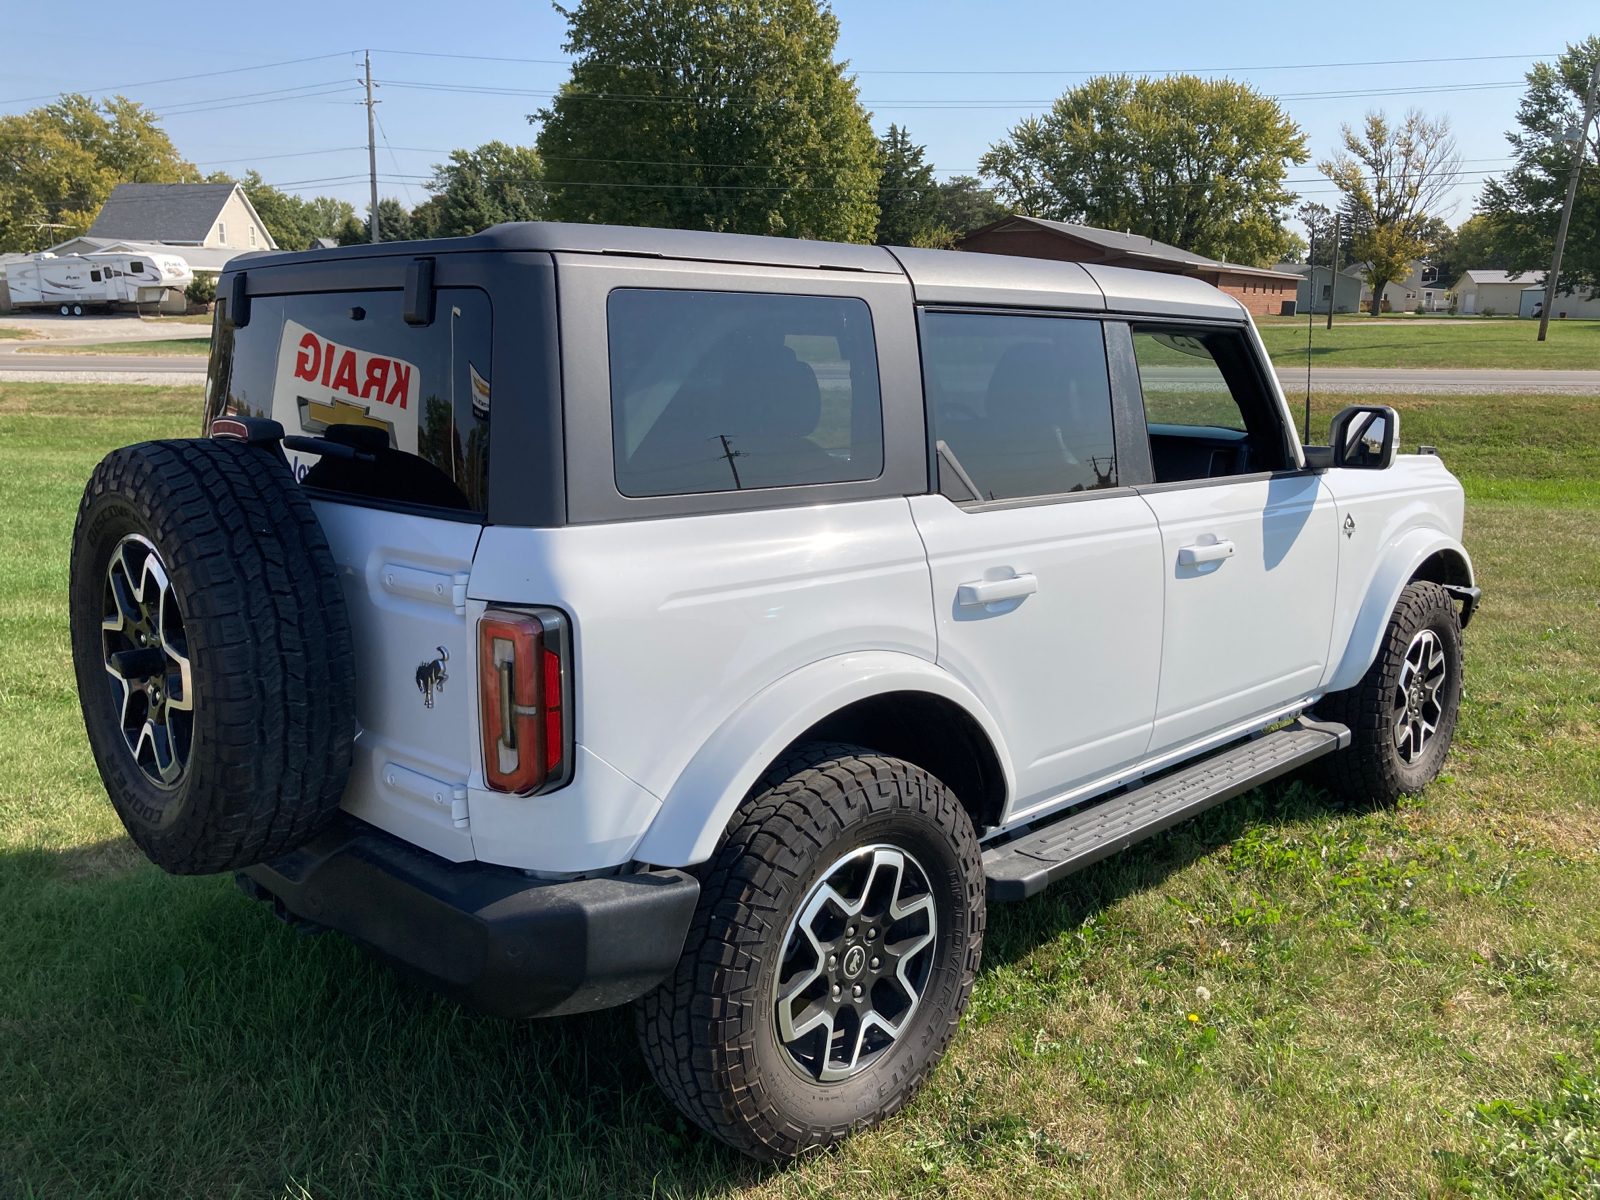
(1365,436)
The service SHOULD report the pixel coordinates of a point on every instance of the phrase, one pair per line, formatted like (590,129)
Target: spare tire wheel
(213,653)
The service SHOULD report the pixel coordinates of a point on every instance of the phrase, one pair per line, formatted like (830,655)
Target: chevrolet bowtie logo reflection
(316,416)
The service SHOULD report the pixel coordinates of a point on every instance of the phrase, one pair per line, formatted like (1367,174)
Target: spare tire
(213,652)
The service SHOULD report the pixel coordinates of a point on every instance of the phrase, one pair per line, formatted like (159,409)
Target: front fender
(697,808)
(1400,562)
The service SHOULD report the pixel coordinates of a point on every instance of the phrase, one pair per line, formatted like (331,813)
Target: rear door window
(1020,406)
(412,401)
(723,391)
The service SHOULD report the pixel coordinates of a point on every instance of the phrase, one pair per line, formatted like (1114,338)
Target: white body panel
(1390,521)
(405,586)
(678,622)
(1251,573)
(1069,671)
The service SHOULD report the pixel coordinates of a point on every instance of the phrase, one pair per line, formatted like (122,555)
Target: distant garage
(1262,292)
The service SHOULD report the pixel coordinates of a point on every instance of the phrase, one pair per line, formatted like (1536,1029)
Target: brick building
(1261,291)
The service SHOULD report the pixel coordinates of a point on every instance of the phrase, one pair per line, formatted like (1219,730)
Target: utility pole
(1311,308)
(1333,274)
(372,150)
(1579,147)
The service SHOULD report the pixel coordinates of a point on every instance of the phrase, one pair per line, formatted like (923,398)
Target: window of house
(1020,406)
(222,232)
(1207,410)
(252,235)
(725,391)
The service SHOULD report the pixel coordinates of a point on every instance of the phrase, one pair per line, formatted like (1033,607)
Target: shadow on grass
(1016,930)
(165,1036)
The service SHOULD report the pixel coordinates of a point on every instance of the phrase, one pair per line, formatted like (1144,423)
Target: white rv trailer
(74,283)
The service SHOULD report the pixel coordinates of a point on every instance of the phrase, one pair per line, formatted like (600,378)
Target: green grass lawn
(1284,998)
(1391,342)
(171,347)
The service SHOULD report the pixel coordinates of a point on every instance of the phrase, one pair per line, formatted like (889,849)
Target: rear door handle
(991,591)
(1193,556)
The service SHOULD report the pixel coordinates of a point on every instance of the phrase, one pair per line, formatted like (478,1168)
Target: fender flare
(699,804)
(1399,564)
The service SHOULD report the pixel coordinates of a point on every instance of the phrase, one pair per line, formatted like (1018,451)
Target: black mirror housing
(1365,437)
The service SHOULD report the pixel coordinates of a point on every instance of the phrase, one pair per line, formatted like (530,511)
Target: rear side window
(414,401)
(1020,406)
(724,391)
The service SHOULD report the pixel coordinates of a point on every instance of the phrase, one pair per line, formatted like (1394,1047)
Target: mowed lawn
(1284,998)
(1449,345)
(168,346)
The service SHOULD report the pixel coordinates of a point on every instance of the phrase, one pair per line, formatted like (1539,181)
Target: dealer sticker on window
(321,383)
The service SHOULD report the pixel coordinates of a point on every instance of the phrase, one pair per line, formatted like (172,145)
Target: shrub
(202,291)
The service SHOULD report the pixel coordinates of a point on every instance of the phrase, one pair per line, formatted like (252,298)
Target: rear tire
(769,938)
(213,653)
(1402,715)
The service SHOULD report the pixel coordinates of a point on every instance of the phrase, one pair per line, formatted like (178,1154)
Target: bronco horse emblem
(431,677)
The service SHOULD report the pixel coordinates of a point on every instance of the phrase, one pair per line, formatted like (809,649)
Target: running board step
(1026,866)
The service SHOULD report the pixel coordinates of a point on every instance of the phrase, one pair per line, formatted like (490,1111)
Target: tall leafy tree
(294,221)
(909,201)
(1318,244)
(1394,179)
(1523,207)
(59,162)
(1198,163)
(710,114)
(478,188)
(965,203)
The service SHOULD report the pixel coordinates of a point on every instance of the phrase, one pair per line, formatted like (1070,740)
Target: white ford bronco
(574,615)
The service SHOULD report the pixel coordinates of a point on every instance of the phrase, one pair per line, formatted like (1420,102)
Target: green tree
(1393,179)
(293,221)
(909,201)
(1318,220)
(1198,163)
(394,221)
(710,114)
(59,162)
(478,188)
(1523,207)
(966,204)
(1476,244)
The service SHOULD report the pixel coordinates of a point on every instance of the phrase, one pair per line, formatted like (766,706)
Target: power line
(185,78)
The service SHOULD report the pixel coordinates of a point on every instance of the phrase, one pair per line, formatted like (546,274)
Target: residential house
(1261,291)
(1496,293)
(1570,305)
(1316,287)
(1420,288)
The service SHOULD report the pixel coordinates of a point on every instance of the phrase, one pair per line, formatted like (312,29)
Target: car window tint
(413,401)
(724,391)
(1020,406)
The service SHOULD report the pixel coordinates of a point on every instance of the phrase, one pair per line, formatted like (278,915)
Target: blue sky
(958,75)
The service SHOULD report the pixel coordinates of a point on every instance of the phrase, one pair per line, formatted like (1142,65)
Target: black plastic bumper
(489,937)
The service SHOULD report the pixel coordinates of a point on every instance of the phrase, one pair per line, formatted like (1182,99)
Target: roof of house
(1123,249)
(163,212)
(1483,277)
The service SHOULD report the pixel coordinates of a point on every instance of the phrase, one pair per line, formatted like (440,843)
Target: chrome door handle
(991,591)
(1193,556)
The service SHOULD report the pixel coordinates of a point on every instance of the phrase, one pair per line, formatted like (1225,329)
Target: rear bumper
(487,936)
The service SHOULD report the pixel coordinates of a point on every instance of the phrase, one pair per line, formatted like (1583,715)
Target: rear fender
(696,810)
(1400,563)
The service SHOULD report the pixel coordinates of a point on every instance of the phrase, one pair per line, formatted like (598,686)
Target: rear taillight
(525,690)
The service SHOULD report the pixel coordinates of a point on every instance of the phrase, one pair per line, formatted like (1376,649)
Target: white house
(212,222)
(1495,293)
(1570,305)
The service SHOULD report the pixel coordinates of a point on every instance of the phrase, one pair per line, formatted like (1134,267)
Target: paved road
(1393,380)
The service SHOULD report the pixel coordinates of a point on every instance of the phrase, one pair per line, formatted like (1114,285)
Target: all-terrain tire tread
(695,1029)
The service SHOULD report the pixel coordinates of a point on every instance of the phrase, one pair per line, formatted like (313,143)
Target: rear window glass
(722,391)
(413,401)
